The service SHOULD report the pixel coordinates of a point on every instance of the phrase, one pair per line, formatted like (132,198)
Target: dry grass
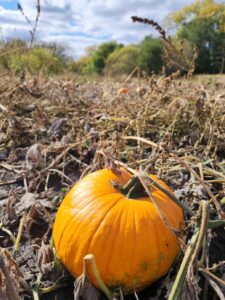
(53,130)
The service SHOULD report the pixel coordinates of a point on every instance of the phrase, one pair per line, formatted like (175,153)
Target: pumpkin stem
(134,188)
(90,259)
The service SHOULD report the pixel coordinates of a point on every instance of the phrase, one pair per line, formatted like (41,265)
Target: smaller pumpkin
(122,91)
(132,245)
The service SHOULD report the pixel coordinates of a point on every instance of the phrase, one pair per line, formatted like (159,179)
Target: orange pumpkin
(132,246)
(122,91)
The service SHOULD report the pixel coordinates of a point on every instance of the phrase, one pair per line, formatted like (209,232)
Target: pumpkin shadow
(155,290)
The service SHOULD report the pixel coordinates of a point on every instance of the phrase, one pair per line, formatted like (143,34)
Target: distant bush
(151,55)
(81,65)
(15,45)
(51,62)
(39,60)
(70,65)
(19,62)
(98,57)
(122,61)
(10,49)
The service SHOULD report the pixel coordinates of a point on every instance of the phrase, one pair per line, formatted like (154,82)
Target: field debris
(55,130)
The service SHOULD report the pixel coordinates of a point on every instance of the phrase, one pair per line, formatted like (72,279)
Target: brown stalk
(191,252)
(182,163)
(204,213)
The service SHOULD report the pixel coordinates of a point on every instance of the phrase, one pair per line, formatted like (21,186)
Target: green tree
(151,55)
(122,61)
(98,58)
(203,24)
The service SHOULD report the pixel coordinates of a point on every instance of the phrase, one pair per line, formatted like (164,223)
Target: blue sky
(79,24)
(8,4)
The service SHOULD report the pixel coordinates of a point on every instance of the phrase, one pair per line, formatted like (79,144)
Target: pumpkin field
(56,130)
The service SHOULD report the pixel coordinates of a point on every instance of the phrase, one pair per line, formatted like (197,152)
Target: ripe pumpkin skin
(131,244)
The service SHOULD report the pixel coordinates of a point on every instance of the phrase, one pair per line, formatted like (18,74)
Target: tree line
(199,27)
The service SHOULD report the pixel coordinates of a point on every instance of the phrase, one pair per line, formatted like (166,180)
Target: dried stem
(160,212)
(19,235)
(204,212)
(12,237)
(151,22)
(182,163)
(213,280)
(185,207)
(191,252)
(181,275)
(172,53)
(215,201)
(34,29)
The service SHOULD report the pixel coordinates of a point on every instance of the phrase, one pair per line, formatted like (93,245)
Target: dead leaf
(9,276)
(45,259)
(58,126)
(34,156)
(83,289)
(25,203)
(38,221)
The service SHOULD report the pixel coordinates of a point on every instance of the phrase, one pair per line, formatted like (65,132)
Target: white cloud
(81,23)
